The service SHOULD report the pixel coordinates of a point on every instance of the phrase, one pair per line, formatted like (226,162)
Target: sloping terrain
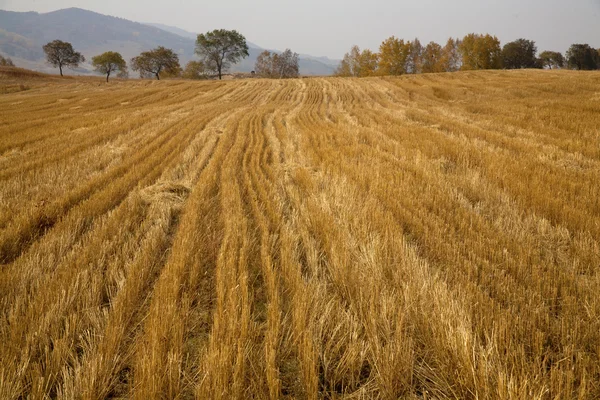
(22,35)
(432,236)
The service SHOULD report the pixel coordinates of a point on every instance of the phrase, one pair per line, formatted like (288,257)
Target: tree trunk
(107,75)
(157,77)
(60,69)
(219,67)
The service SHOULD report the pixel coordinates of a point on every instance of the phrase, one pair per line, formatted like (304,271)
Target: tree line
(6,61)
(221,48)
(473,52)
(217,50)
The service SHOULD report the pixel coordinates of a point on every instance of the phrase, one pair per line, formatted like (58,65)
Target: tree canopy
(358,63)
(221,48)
(480,52)
(472,52)
(583,57)
(195,70)
(6,62)
(552,59)
(393,55)
(519,54)
(61,54)
(451,56)
(273,65)
(109,62)
(155,61)
(432,59)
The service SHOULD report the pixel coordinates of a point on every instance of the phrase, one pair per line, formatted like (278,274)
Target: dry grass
(422,237)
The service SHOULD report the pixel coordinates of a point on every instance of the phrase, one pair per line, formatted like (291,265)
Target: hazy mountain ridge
(22,35)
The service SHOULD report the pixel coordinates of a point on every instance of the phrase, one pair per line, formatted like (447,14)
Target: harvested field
(423,237)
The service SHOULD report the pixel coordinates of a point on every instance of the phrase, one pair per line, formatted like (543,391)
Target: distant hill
(22,35)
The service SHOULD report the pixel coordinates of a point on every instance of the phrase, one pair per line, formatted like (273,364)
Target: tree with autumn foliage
(393,55)
(451,55)
(432,58)
(480,52)
(414,63)
(195,70)
(358,63)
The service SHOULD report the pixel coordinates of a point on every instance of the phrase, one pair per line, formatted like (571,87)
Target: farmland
(430,236)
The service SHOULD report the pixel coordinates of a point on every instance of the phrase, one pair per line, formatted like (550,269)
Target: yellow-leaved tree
(393,56)
(432,58)
(358,63)
(415,61)
(480,52)
(451,56)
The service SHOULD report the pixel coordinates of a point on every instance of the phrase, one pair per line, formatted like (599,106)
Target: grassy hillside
(431,236)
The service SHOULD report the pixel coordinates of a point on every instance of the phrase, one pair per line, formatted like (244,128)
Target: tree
(519,54)
(432,58)
(582,57)
(480,52)
(264,64)
(414,60)
(108,63)
(393,56)
(350,64)
(6,62)
(288,64)
(155,61)
(357,63)
(368,63)
(273,65)
(552,59)
(451,56)
(61,54)
(195,70)
(220,48)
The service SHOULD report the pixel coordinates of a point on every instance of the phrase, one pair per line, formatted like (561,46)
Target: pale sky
(331,27)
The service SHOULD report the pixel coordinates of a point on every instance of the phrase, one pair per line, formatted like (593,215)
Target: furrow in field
(223,365)
(106,368)
(79,219)
(30,218)
(426,236)
(43,304)
(175,331)
(425,215)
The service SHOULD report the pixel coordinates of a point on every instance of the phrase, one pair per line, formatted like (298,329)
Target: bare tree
(273,65)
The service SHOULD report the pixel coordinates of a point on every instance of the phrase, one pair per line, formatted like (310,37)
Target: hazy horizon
(330,28)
